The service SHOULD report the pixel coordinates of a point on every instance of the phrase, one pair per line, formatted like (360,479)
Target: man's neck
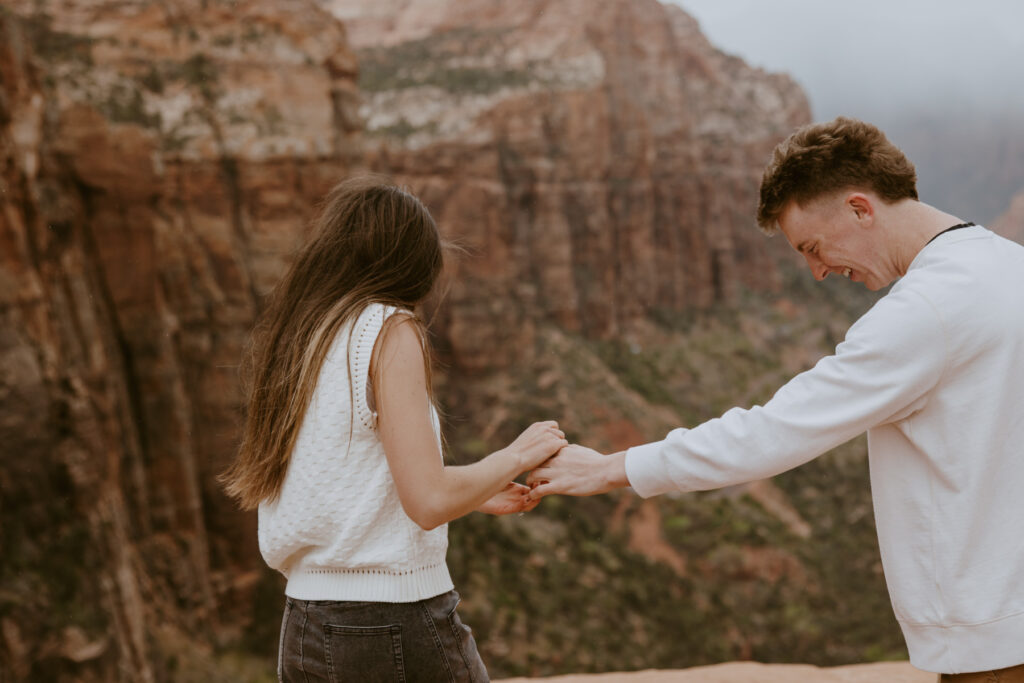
(913,224)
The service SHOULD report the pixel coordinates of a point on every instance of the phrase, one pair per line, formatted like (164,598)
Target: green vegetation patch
(53,45)
(564,589)
(439,61)
(124,104)
(49,576)
(402,129)
(200,72)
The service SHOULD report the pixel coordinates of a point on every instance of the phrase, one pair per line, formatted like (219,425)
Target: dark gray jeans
(371,642)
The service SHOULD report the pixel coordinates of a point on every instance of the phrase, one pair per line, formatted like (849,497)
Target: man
(934,372)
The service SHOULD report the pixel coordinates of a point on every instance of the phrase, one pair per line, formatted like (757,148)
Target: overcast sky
(861,58)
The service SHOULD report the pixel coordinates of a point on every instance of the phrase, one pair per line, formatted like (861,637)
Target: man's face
(835,235)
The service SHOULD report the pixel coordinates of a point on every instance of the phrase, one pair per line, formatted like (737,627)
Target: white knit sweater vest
(338,530)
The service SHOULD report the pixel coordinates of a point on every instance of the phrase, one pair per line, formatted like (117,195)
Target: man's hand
(513,498)
(578,471)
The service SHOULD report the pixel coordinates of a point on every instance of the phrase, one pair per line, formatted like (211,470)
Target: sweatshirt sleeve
(880,373)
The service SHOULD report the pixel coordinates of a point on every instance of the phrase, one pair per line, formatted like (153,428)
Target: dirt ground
(752,672)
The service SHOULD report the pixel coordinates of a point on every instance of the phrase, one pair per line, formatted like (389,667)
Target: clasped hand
(574,471)
(577,471)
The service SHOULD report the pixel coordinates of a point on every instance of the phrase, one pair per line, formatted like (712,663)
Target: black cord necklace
(954,227)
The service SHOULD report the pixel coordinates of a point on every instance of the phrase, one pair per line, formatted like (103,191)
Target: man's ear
(862,207)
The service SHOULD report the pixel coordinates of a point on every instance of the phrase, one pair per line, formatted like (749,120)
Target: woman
(342,452)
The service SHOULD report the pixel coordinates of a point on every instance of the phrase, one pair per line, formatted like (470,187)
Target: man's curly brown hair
(823,158)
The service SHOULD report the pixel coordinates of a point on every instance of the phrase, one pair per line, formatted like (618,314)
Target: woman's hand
(537,443)
(513,498)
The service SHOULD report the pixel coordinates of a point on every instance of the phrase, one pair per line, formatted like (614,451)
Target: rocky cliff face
(156,162)
(1011,223)
(599,160)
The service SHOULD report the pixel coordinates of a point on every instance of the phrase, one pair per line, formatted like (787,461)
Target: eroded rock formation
(156,162)
(599,160)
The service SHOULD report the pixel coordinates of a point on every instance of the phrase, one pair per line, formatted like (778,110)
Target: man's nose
(818,269)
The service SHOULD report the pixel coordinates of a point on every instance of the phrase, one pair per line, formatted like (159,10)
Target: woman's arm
(431,492)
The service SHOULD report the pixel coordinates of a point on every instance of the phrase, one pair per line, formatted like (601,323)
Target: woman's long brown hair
(372,242)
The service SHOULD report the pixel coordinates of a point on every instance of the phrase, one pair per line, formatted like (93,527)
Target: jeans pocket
(364,654)
(281,643)
(466,645)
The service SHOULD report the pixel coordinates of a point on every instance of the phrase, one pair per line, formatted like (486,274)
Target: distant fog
(944,79)
(879,56)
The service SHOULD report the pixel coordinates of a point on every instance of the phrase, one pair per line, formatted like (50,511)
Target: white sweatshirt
(935,373)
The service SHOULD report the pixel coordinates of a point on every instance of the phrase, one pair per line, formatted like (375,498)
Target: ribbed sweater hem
(369,584)
(962,649)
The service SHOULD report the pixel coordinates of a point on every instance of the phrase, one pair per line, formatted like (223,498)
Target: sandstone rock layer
(599,161)
(157,162)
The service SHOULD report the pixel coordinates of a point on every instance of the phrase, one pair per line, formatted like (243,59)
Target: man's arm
(881,373)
